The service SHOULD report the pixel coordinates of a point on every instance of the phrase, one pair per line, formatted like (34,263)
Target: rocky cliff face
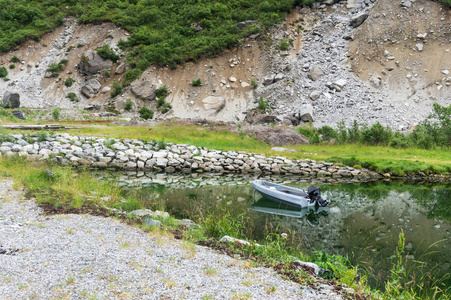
(369,61)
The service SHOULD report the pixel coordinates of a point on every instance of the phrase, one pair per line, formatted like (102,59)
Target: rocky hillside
(369,61)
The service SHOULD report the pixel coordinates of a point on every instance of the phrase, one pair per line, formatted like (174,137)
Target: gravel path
(87,257)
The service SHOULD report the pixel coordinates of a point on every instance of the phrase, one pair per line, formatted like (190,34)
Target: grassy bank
(382,159)
(62,190)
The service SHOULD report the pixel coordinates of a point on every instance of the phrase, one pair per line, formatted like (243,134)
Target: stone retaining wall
(131,154)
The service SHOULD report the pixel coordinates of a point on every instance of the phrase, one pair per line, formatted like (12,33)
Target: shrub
(197,82)
(69,81)
(145,113)
(12,66)
(3,72)
(128,104)
(377,135)
(72,97)
(262,104)
(117,89)
(327,133)
(56,113)
(106,52)
(310,133)
(162,92)
(14,59)
(54,69)
(106,72)
(254,83)
(284,45)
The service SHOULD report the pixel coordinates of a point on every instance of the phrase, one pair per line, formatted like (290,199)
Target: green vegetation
(12,66)
(196,82)
(55,68)
(14,59)
(284,45)
(73,191)
(69,81)
(117,89)
(73,97)
(128,104)
(107,53)
(161,94)
(56,114)
(145,113)
(433,132)
(254,83)
(3,72)
(262,104)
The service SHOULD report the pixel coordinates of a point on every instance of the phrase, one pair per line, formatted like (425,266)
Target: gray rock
(419,46)
(153,223)
(314,268)
(19,114)
(142,213)
(11,100)
(268,80)
(144,88)
(214,104)
(87,91)
(406,3)
(91,63)
(244,24)
(315,74)
(279,77)
(94,84)
(315,95)
(306,113)
(121,69)
(359,19)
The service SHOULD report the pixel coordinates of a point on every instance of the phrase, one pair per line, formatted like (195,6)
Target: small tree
(128,104)
(117,89)
(145,113)
(56,113)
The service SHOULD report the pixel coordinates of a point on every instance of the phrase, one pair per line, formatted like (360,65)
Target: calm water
(363,221)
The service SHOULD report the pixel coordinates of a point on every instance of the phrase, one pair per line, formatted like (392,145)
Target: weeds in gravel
(210,271)
(270,290)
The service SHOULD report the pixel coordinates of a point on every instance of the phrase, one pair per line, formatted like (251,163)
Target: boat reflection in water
(311,213)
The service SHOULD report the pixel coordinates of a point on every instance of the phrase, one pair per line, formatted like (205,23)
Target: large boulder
(144,88)
(276,136)
(306,113)
(359,19)
(19,114)
(91,88)
(11,100)
(254,117)
(214,104)
(91,63)
(315,74)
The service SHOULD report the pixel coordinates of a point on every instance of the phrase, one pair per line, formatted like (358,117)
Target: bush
(72,97)
(310,133)
(14,59)
(196,82)
(327,133)
(106,52)
(3,72)
(69,81)
(377,135)
(284,45)
(145,113)
(161,92)
(254,83)
(56,113)
(12,66)
(54,69)
(128,104)
(262,104)
(117,89)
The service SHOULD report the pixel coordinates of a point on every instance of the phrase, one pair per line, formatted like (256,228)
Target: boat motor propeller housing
(315,195)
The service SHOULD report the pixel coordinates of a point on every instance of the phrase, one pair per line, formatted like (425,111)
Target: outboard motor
(315,195)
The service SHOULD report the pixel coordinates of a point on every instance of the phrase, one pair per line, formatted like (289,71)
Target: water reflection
(363,221)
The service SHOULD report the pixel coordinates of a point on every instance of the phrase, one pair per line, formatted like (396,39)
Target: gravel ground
(87,257)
